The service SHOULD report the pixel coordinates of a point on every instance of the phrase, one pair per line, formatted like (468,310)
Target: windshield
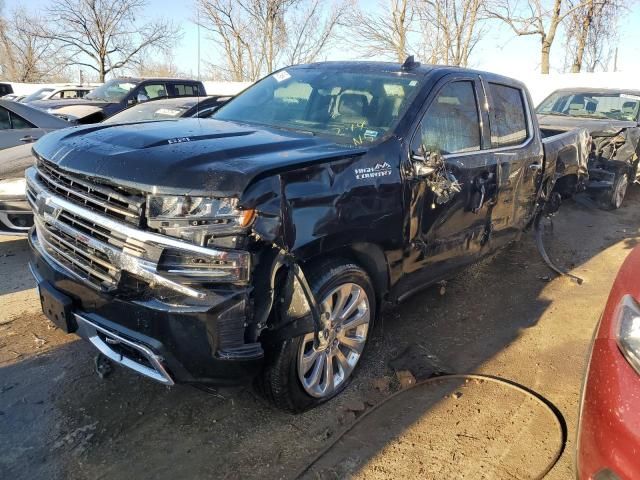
(352,107)
(148,111)
(112,91)
(617,106)
(37,95)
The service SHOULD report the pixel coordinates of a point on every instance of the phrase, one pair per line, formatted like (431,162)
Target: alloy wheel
(325,369)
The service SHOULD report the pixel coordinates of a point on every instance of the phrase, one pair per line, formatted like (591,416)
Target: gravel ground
(506,316)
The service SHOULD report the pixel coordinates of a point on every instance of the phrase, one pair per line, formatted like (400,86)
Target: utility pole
(615,60)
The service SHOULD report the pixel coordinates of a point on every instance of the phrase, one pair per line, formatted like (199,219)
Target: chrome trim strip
(89,330)
(4,219)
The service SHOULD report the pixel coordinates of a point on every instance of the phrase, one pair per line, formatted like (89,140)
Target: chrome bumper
(91,331)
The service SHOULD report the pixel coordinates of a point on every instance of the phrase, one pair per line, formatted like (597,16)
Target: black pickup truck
(263,242)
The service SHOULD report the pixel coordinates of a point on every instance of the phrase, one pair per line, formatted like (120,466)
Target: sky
(500,50)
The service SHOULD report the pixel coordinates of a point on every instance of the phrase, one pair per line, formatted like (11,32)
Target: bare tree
(231,30)
(103,35)
(591,29)
(163,67)
(312,30)
(384,31)
(26,57)
(258,36)
(537,18)
(450,29)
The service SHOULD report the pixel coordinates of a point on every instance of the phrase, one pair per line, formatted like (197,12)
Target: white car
(57,93)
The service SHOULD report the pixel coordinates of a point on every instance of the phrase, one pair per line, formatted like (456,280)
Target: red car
(609,430)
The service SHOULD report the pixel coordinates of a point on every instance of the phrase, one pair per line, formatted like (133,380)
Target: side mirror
(141,98)
(131,101)
(424,162)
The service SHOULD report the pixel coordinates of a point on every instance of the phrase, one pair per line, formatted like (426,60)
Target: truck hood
(185,156)
(55,104)
(595,126)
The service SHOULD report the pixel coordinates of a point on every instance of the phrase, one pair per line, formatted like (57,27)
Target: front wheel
(619,190)
(298,375)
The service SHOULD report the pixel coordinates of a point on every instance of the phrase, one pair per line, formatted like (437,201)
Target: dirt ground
(508,316)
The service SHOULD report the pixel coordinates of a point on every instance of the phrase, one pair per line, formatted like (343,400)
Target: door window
(452,124)
(508,116)
(5,122)
(69,94)
(152,91)
(19,122)
(185,90)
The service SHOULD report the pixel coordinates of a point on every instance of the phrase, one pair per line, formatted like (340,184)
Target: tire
(281,381)
(618,191)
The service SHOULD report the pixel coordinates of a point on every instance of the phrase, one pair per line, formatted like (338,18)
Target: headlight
(193,267)
(13,187)
(628,317)
(196,218)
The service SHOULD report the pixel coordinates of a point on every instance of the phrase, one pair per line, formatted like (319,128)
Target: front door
(450,208)
(15,130)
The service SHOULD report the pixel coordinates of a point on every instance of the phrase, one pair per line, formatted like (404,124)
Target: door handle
(535,166)
(28,138)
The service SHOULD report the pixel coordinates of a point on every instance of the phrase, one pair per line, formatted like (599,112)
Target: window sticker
(370,134)
(281,76)
(171,112)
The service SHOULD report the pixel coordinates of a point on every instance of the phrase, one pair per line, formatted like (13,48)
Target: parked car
(16,216)
(609,429)
(21,123)
(6,89)
(611,117)
(13,97)
(57,93)
(120,93)
(169,108)
(263,242)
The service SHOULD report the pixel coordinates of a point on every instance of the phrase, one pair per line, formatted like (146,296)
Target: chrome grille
(97,197)
(64,240)
(96,248)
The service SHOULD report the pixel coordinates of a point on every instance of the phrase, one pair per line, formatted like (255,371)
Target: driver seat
(351,108)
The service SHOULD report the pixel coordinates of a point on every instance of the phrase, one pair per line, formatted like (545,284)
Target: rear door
(15,130)
(450,231)
(519,156)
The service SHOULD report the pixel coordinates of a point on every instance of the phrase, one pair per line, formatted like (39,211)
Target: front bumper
(184,341)
(16,217)
(609,431)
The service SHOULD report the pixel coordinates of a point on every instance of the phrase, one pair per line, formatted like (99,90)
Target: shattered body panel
(408,220)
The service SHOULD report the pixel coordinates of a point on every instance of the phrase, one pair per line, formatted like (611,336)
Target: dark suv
(120,93)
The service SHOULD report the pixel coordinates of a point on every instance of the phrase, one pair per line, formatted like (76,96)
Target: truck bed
(569,152)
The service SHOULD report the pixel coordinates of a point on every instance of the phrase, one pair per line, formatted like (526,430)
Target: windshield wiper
(556,114)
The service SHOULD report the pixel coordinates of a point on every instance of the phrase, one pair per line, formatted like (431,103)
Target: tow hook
(102,366)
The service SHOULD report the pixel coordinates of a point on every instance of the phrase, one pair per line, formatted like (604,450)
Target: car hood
(186,156)
(595,126)
(55,104)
